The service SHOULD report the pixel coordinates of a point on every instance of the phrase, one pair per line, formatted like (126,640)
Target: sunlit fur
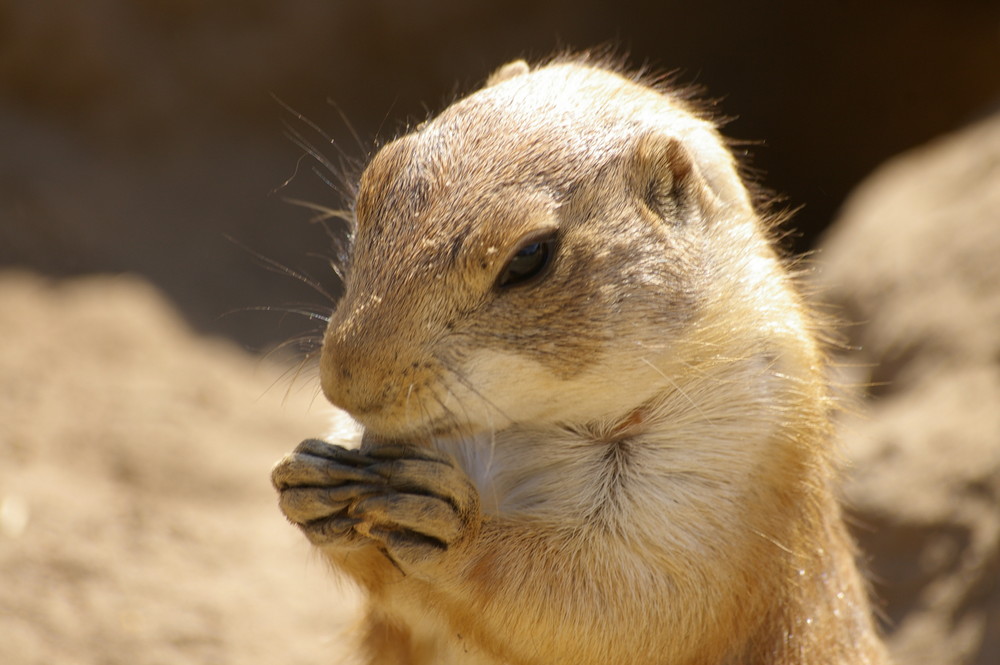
(647,424)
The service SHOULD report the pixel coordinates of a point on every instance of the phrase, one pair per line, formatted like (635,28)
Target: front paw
(428,506)
(412,502)
(317,483)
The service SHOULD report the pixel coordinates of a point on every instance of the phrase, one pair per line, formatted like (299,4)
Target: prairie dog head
(546,251)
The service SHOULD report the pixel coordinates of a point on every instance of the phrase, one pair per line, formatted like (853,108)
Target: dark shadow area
(146,136)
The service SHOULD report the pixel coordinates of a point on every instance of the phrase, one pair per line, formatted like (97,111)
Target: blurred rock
(914,266)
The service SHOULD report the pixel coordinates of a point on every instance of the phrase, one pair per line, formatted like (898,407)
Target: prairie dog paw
(411,502)
(429,505)
(317,483)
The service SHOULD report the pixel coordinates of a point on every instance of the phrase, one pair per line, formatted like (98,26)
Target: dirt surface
(137,521)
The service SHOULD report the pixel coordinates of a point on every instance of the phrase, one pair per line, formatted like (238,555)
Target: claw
(307,469)
(410,501)
(302,505)
(319,448)
(406,546)
(393,451)
(331,530)
(427,477)
(421,515)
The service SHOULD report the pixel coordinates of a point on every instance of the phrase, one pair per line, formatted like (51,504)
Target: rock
(913,267)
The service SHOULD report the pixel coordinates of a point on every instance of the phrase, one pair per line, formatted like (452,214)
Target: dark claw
(330,451)
(410,501)
(408,546)
(331,530)
(422,515)
(393,451)
(428,478)
(302,505)
(302,469)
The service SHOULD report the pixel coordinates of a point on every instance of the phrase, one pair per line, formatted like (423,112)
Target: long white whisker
(679,390)
(468,385)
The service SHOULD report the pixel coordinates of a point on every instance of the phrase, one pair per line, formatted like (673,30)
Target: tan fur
(646,426)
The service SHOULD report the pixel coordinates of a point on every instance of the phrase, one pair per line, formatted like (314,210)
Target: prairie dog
(595,420)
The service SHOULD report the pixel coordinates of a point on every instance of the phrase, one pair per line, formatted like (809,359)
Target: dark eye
(528,263)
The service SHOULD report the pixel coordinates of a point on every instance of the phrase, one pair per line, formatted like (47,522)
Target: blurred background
(149,135)
(148,153)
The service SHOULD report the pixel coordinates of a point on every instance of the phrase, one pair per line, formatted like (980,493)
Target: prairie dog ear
(507,72)
(664,178)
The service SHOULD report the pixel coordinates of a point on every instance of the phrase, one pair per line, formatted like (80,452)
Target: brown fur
(634,448)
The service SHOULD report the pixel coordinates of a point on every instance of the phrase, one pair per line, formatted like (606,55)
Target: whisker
(345,186)
(305,346)
(335,264)
(293,373)
(348,162)
(451,419)
(300,141)
(281,269)
(387,115)
(307,311)
(775,542)
(406,402)
(468,385)
(301,118)
(322,216)
(350,126)
(337,240)
(317,391)
(459,402)
(295,172)
(323,212)
(679,390)
(295,376)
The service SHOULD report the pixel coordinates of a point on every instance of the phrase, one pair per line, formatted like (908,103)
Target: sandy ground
(137,520)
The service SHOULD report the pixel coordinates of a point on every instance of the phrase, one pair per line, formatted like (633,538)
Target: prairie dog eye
(529,261)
